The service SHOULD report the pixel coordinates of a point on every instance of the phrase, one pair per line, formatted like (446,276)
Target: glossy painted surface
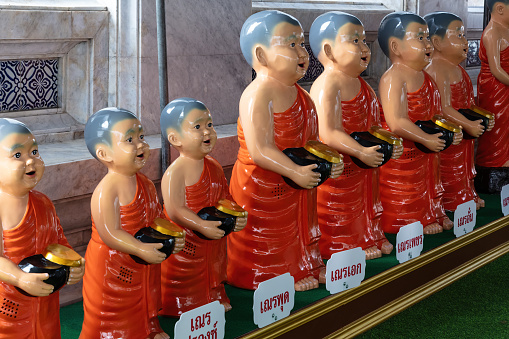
(38,228)
(193,182)
(349,206)
(410,186)
(28,224)
(276,114)
(457,162)
(120,296)
(493,88)
(196,275)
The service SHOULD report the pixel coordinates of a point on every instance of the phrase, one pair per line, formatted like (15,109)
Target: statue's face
(287,58)
(129,150)
(415,47)
(197,136)
(21,166)
(455,44)
(350,52)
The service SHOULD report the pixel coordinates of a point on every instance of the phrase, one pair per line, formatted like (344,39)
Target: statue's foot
(447,224)
(433,228)
(372,253)
(226,306)
(306,284)
(322,276)
(161,335)
(480,203)
(386,247)
(506,164)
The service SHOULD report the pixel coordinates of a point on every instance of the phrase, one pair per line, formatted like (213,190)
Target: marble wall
(27,31)
(204,57)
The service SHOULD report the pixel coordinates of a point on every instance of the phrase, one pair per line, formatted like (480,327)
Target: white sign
(409,241)
(345,269)
(504,199)
(273,300)
(206,321)
(464,218)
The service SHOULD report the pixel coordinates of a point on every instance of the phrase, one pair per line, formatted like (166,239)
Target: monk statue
(275,113)
(410,186)
(196,275)
(349,206)
(121,298)
(447,34)
(492,158)
(28,224)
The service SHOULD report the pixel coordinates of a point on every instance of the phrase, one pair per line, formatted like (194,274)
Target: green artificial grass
(475,306)
(240,320)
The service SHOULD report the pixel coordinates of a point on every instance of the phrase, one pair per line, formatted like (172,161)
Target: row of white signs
(274,299)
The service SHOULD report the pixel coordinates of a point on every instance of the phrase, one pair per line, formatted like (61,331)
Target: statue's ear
(260,55)
(394,46)
(103,153)
(436,42)
(499,8)
(327,50)
(174,139)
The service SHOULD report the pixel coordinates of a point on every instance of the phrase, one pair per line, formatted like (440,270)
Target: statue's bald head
(326,27)
(395,25)
(176,111)
(99,126)
(10,126)
(491,3)
(438,22)
(258,30)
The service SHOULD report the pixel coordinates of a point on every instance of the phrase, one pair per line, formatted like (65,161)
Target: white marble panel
(217,80)
(52,4)
(84,24)
(194,27)
(150,110)
(17,24)
(100,70)
(458,7)
(78,82)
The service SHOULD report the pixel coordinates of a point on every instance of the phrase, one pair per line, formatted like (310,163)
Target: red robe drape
(493,147)
(457,161)
(282,229)
(196,275)
(410,187)
(121,298)
(23,316)
(349,206)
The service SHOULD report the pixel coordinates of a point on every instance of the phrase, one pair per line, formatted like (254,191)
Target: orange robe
(22,316)
(457,161)
(282,228)
(410,187)
(493,147)
(121,298)
(349,206)
(196,275)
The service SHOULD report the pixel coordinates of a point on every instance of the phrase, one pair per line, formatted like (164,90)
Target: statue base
(491,179)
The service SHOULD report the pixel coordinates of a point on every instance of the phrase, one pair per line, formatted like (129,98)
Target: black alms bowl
(366,139)
(58,274)
(150,235)
(473,116)
(302,157)
(430,127)
(211,213)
